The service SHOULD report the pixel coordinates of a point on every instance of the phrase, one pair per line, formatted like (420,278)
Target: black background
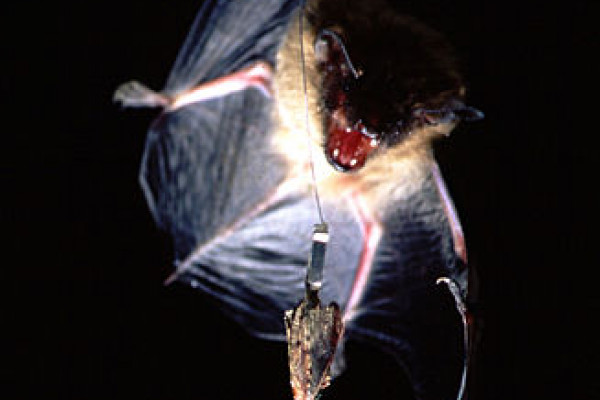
(88,316)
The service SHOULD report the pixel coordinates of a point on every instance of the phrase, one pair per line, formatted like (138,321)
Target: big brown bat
(232,162)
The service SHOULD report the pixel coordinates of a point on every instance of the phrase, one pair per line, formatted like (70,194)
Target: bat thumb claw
(135,94)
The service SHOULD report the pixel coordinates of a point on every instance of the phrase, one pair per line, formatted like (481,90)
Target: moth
(269,100)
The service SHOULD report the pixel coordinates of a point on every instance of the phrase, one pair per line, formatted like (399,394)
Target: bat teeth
(353,162)
(336,152)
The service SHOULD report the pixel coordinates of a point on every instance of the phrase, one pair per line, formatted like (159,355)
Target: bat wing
(242,230)
(403,309)
(202,165)
(257,271)
(208,168)
(227,35)
(214,183)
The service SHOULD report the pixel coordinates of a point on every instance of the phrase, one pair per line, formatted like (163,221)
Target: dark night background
(88,316)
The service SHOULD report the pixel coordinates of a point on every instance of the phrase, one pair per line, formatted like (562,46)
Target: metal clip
(316,261)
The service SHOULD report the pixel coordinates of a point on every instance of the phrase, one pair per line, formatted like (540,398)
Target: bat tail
(135,94)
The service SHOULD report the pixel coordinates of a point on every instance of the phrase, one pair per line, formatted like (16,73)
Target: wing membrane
(227,35)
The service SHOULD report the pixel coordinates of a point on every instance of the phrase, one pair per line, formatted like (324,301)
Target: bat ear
(330,52)
(470,114)
(453,112)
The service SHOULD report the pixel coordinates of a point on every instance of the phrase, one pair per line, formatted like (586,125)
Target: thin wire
(306,116)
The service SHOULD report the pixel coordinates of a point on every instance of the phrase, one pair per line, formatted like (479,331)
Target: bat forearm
(372,232)
(257,76)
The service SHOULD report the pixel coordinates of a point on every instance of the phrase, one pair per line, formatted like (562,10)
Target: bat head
(384,76)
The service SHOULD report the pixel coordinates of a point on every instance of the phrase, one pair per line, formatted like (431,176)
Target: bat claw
(134,94)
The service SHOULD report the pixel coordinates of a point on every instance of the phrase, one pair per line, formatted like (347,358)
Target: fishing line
(306,115)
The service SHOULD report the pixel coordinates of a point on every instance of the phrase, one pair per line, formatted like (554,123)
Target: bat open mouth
(348,147)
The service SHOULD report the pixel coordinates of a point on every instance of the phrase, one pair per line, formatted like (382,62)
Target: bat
(270,100)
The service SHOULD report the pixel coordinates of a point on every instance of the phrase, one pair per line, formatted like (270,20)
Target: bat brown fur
(394,171)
